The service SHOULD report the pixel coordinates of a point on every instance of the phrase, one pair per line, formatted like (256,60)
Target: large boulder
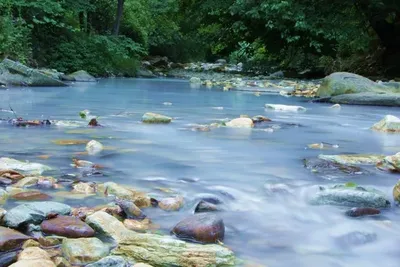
(82,251)
(389,124)
(67,226)
(80,76)
(15,73)
(11,239)
(350,195)
(340,83)
(34,212)
(156,249)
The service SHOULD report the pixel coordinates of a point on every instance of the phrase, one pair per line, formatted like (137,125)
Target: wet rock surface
(34,212)
(11,239)
(110,261)
(360,212)
(350,196)
(201,227)
(67,226)
(84,250)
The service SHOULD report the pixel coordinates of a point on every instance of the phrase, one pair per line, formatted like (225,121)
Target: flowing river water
(242,167)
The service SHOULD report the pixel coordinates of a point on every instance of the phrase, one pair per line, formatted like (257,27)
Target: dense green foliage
(358,35)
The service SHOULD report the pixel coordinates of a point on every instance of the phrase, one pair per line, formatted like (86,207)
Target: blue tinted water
(233,164)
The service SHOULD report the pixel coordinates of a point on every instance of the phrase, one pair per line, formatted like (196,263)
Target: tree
(118,17)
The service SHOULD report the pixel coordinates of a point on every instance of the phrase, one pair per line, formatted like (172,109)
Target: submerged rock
(356,238)
(204,206)
(240,123)
(139,226)
(150,117)
(389,124)
(350,195)
(94,147)
(11,239)
(67,226)
(260,118)
(330,168)
(201,227)
(31,196)
(340,83)
(353,159)
(84,250)
(24,167)
(34,212)
(80,76)
(110,261)
(359,212)
(285,107)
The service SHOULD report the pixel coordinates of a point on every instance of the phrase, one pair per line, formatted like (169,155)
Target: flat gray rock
(370,99)
(110,261)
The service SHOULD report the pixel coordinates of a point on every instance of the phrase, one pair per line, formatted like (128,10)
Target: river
(239,166)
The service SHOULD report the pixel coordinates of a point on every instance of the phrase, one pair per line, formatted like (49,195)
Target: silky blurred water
(236,165)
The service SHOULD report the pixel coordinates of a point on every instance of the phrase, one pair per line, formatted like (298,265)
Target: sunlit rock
(285,108)
(389,124)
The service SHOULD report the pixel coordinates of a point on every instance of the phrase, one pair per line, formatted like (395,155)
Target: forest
(111,37)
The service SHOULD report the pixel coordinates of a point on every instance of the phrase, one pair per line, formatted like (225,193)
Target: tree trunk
(118,18)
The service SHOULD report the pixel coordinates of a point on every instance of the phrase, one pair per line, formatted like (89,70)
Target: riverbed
(239,166)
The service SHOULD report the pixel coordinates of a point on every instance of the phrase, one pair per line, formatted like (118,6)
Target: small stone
(359,212)
(67,226)
(31,196)
(27,168)
(11,174)
(130,209)
(260,118)
(240,123)
(140,199)
(11,239)
(139,226)
(285,108)
(94,147)
(33,263)
(84,188)
(84,250)
(110,261)
(150,117)
(26,182)
(5,181)
(356,238)
(336,106)
(3,196)
(30,243)
(195,80)
(201,227)
(171,204)
(390,163)
(107,225)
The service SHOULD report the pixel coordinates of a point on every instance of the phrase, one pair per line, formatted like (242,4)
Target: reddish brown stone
(67,226)
(31,196)
(201,227)
(11,239)
(358,212)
